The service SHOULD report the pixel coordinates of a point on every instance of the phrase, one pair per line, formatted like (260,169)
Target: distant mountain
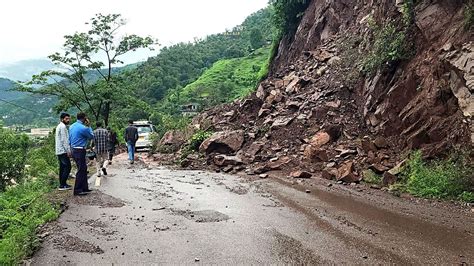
(6,86)
(23,70)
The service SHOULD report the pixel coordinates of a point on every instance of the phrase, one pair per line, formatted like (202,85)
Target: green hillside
(228,79)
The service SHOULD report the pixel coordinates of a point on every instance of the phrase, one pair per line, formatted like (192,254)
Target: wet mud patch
(94,223)
(239,190)
(292,251)
(98,198)
(75,244)
(205,216)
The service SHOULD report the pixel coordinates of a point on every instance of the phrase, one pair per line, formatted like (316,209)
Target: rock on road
(145,214)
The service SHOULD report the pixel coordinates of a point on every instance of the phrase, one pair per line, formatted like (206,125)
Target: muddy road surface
(145,214)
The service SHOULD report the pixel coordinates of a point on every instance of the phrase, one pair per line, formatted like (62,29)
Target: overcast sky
(31,29)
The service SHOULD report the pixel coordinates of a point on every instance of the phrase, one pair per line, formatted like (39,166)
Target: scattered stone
(320,139)
(329,174)
(282,122)
(300,174)
(228,168)
(380,143)
(230,113)
(368,146)
(308,191)
(196,259)
(378,168)
(315,155)
(334,104)
(226,160)
(388,179)
(345,173)
(263,176)
(261,92)
(397,169)
(329,185)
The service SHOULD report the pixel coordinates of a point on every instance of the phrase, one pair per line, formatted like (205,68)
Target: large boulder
(172,138)
(223,142)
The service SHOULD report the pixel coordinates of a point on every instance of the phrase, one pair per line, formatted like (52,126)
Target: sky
(31,29)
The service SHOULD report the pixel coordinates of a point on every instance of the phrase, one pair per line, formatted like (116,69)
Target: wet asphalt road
(147,215)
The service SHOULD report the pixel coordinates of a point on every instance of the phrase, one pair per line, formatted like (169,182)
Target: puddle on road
(205,216)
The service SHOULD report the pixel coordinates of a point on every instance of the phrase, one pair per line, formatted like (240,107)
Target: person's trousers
(81,184)
(101,162)
(111,153)
(64,169)
(131,150)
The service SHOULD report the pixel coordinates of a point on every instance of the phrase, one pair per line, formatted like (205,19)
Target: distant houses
(39,132)
(190,109)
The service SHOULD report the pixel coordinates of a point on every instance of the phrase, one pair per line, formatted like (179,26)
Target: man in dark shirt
(113,142)
(131,137)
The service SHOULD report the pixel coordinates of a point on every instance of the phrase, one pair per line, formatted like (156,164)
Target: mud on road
(145,214)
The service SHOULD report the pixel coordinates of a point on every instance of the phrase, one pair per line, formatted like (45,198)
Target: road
(146,214)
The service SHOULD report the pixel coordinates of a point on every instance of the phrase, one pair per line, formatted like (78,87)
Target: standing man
(79,134)
(63,150)
(113,142)
(101,141)
(131,137)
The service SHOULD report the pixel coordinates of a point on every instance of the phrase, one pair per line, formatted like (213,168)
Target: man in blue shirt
(79,135)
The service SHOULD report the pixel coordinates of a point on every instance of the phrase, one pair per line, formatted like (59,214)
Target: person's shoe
(88,191)
(80,193)
(104,171)
(65,187)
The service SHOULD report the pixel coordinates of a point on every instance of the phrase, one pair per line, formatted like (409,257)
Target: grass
(450,178)
(22,209)
(372,178)
(27,205)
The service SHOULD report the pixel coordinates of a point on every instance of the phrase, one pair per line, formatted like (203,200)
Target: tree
(96,51)
(256,39)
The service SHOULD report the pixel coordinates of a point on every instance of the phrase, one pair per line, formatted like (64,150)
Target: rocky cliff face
(317,112)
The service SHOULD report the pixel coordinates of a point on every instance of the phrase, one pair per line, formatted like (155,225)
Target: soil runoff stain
(144,214)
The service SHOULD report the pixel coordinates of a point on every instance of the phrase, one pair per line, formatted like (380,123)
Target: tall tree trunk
(106,113)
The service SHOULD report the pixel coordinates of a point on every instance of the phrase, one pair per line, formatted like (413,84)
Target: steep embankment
(358,86)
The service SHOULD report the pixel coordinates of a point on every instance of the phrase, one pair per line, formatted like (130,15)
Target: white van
(145,129)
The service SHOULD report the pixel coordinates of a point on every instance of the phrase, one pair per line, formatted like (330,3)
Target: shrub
(449,178)
(390,45)
(13,155)
(198,138)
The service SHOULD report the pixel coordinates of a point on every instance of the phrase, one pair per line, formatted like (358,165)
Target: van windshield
(144,129)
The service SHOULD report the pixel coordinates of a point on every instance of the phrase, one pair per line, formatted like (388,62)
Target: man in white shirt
(63,151)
